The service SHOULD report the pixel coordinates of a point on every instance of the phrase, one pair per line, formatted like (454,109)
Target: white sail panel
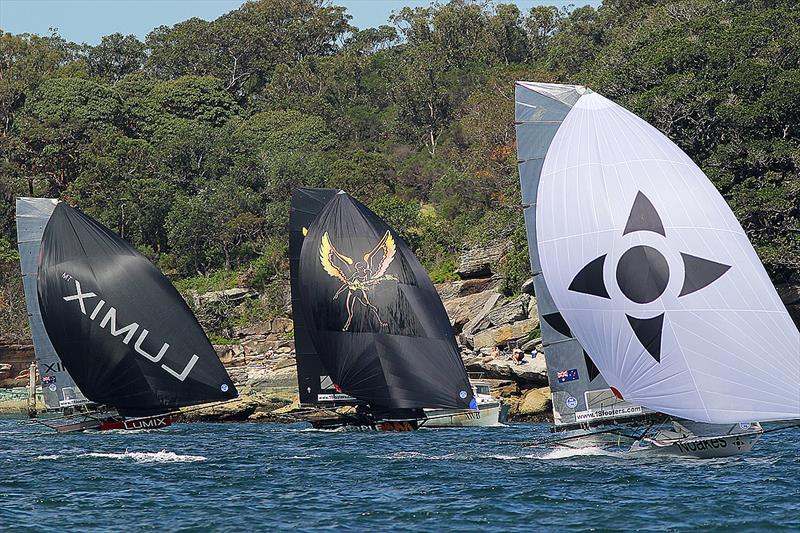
(655,276)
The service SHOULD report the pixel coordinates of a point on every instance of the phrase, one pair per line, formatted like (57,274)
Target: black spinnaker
(123,332)
(373,314)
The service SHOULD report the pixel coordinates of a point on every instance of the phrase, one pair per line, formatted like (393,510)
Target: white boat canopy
(648,265)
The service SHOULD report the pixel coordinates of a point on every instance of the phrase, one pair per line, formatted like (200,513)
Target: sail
(58,388)
(374,316)
(650,268)
(121,329)
(314,384)
(579,393)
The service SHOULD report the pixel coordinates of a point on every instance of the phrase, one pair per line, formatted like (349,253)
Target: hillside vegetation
(189,143)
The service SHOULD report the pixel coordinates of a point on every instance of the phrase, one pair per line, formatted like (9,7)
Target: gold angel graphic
(358,278)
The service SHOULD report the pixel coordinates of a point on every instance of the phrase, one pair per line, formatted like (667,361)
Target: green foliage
(216,281)
(516,267)
(190,143)
(116,56)
(444,271)
(268,267)
(8,251)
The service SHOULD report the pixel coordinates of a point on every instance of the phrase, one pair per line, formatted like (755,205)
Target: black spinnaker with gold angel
(372,315)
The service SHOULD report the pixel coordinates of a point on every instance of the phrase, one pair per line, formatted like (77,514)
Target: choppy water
(264,477)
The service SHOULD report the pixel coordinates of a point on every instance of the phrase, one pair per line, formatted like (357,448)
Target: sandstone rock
(239,409)
(509,311)
(533,344)
(504,334)
(477,262)
(447,290)
(234,295)
(463,309)
(474,325)
(527,287)
(472,286)
(266,329)
(506,391)
(534,402)
(532,373)
(533,310)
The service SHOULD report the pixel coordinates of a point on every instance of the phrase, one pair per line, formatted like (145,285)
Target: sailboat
(370,330)
(662,331)
(118,329)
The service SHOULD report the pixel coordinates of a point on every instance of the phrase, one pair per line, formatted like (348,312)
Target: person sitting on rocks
(518,356)
(494,354)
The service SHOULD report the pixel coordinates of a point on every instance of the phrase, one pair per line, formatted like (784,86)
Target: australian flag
(567,375)
(47,380)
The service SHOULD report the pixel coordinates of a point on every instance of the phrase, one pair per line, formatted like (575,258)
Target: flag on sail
(649,267)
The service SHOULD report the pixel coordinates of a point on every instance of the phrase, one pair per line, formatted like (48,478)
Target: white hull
(702,448)
(713,441)
(488,414)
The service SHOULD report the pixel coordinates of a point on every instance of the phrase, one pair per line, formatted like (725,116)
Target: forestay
(653,273)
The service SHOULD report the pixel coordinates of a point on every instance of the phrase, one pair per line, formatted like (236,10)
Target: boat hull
(135,424)
(351,423)
(703,448)
(488,414)
(702,441)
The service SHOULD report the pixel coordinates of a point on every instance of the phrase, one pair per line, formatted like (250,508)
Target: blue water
(265,477)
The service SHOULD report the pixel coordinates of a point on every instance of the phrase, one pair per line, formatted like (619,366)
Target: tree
(61,117)
(116,56)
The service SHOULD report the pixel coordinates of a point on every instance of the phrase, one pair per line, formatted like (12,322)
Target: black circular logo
(642,274)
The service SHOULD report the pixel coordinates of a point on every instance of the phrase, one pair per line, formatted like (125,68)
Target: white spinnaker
(729,352)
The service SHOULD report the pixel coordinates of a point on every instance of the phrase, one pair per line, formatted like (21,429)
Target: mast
(579,393)
(121,329)
(373,314)
(58,387)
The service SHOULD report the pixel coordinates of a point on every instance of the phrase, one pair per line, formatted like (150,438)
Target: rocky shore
(261,361)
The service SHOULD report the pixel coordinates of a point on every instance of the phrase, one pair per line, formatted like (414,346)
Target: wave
(48,457)
(148,457)
(565,453)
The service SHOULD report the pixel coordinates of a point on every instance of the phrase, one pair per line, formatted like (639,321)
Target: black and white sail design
(580,395)
(314,384)
(121,329)
(648,266)
(58,388)
(373,315)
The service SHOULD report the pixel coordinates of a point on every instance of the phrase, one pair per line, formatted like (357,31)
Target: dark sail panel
(314,383)
(121,329)
(374,316)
